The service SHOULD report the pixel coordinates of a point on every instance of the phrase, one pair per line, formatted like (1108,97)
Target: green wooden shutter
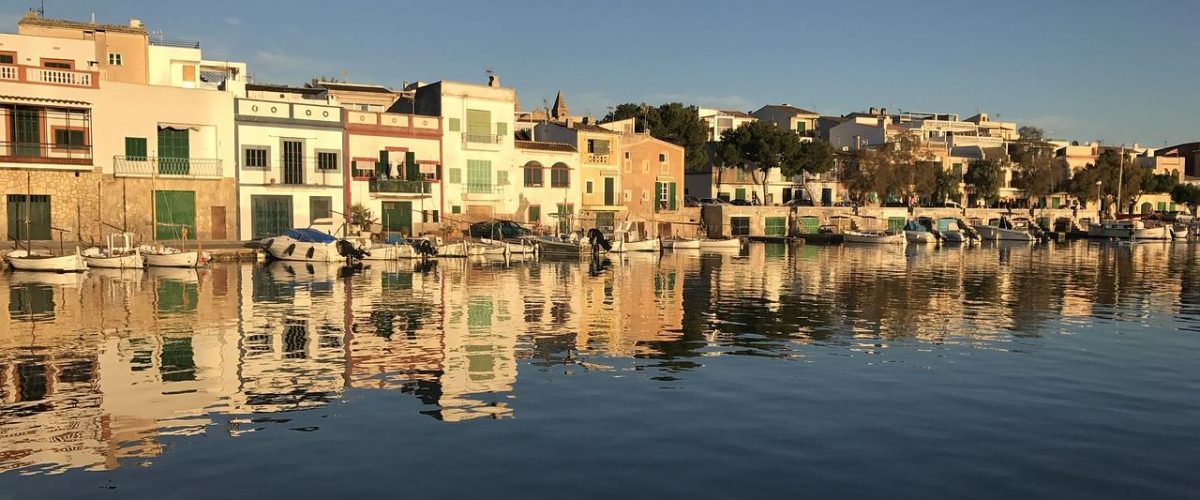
(501,129)
(174,150)
(672,195)
(454,176)
(135,148)
(535,213)
(658,189)
(479,122)
(381,166)
(455,125)
(412,171)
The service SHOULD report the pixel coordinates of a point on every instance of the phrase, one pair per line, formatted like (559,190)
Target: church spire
(559,111)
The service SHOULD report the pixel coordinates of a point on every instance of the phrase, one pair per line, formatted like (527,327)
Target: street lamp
(1099,202)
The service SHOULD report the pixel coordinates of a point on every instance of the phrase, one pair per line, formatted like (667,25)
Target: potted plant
(361,218)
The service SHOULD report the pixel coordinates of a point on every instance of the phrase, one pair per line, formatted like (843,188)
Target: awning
(43,100)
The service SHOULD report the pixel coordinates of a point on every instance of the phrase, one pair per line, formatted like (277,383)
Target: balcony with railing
(36,152)
(51,76)
(597,158)
(399,186)
(478,191)
(152,166)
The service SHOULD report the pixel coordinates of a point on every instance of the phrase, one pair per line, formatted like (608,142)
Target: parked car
(705,202)
(800,202)
(690,201)
(949,204)
(740,203)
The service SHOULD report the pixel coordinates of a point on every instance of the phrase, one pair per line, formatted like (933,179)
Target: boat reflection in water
(97,369)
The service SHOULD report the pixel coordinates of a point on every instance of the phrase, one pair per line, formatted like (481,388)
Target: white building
(549,189)
(477,147)
(720,120)
(289,162)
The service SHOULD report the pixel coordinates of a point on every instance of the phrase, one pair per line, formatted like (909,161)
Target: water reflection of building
(98,368)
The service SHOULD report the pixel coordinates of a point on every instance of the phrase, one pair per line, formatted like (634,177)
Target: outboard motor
(424,248)
(349,251)
(597,241)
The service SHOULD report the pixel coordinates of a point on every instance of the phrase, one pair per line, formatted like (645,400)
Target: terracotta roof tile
(546,146)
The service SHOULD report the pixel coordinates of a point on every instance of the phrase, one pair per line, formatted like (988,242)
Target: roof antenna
(93,17)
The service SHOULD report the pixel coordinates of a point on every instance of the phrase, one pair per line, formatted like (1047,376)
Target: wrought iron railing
(152,166)
(37,152)
(168,42)
(398,186)
(482,138)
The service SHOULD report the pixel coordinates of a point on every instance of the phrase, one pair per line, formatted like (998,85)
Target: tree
(1187,194)
(1041,176)
(672,122)
(763,146)
(897,168)
(946,186)
(1114,172)
(985,177)
(1031,133)
(1158,183)
(815,157)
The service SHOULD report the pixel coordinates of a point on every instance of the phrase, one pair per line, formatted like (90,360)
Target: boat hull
(651,245)
(993,233)
(287,248)
(180,259)
(128,261)
(922,237)
(1152,233)
(390,252)
(685,245)
(74,263)
(727,244)
(877,239)
(559,248)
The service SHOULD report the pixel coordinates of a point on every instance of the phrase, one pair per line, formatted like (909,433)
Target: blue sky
(1086,70)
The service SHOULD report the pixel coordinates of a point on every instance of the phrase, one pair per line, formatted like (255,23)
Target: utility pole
(1120,178)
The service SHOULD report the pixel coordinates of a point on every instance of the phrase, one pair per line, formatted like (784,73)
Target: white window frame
(115,59)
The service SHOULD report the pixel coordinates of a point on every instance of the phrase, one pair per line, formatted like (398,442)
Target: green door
(809,224)
(610,191)
(739,194)
(174,149)
(26,132)
(39,217)
(270,215)
(174,211)
(396,217)
(896,223)
(775,226)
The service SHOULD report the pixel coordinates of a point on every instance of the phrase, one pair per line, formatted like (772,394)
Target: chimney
(133,23)
(883,111)
(873,110)
(493,81)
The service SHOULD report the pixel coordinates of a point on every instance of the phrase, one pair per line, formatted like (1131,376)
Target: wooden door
(218,223)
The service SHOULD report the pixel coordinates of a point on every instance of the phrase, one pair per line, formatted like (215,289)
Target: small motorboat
(160,256)
(310,245)
(521,247)
(487,246)
(392,251)
(119,254)
(682,244)
(914,232)
(650,245)
(459,249)
(719,244)
(550,246)
(952,232)
(23,260)
(1179,231)
(1003,229)
(875,237)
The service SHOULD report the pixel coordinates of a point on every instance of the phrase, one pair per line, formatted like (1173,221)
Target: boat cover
(309,235)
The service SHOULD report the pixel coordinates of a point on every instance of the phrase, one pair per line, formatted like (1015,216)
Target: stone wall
(80,201)
(717,218)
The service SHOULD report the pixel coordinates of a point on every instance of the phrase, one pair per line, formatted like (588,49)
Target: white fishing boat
(1003,229)
(683,244)
(487,246)
(550,246)
(718,244)
(650,245)
(1128,228)
(459,249)
(173,257)
(952,232)
(119,254)
(875,237)
(394,251)
(521,247)
(1179,231)
(23,260)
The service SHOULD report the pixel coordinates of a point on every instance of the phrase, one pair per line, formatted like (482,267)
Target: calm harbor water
(1051,371)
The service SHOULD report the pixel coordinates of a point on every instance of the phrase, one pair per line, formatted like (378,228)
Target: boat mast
(28,196)
(1120,178)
